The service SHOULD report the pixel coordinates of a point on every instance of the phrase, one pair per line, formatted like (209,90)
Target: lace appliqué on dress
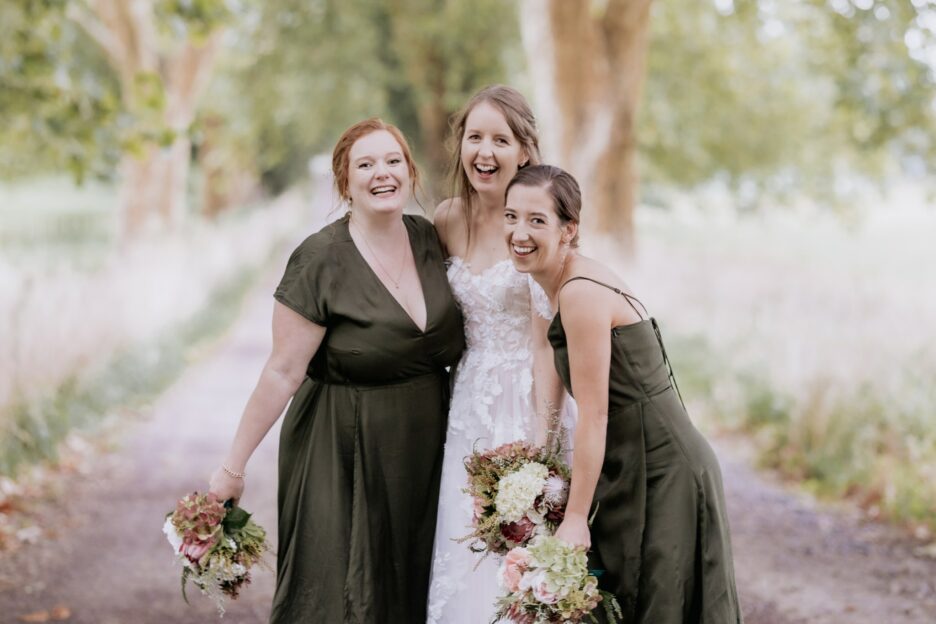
(492,403)
(540,300)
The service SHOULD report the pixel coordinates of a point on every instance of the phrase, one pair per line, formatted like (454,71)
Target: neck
(378,226)
(488,203)
(551,278)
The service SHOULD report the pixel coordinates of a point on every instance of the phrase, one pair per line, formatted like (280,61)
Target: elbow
(289,374)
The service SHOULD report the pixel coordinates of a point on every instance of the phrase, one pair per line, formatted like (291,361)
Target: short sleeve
(539,300)
(306,283)
(427,233)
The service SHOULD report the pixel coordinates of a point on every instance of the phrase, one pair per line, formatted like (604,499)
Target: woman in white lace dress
(505,381)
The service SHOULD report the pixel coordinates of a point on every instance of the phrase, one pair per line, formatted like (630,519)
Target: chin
(522,265)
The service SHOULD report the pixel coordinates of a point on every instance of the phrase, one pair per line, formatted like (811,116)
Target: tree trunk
(153,184)
(588,65)
(433,124)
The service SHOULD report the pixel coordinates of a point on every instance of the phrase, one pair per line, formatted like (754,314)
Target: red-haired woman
(364,326)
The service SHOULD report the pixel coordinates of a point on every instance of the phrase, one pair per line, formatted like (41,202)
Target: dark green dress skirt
(661,528)
(361,444)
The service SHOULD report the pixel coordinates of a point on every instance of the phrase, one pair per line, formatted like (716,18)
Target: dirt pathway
(111,564)
(798,561)
(106,561)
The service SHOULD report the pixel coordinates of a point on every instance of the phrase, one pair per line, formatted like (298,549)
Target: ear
(524,158)
(569,230)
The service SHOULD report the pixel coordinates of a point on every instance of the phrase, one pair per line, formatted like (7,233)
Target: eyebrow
(532,214)
(372,157)
(497,134)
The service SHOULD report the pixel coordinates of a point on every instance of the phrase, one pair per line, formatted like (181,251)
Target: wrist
(234,474)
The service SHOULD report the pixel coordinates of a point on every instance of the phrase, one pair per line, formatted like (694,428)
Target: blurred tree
(59,102)
(163,53)
(588,61)
(789,98)
(66,106)
(301,71)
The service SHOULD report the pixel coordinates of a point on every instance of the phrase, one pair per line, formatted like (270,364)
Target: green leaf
(235,519)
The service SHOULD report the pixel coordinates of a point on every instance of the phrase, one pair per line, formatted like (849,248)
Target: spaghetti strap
(656,328)
(627,297)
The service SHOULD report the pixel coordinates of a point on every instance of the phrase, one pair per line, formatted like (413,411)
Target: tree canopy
(788,96)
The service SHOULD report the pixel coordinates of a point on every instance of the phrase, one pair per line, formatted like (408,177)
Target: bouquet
(548,581)
(519,491)
(216,543)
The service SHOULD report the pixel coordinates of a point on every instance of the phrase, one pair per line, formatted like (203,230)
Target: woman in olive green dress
(364,326)
(660,530)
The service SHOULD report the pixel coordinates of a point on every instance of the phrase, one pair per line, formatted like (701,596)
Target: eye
(364,165)
(539,220)
(474,136)
(502,141)
(395,161)
(510,216)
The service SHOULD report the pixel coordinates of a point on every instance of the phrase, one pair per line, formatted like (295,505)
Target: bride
(505,382)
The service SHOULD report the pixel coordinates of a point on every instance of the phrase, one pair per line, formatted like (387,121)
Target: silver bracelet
(236,475)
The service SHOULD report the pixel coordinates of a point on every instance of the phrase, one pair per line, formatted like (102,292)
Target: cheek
(467,150)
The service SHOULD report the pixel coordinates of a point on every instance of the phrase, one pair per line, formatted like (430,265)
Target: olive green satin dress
(661,528)
(361,444)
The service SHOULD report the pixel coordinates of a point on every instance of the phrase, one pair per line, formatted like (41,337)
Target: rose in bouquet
(519,491)
(548,581)
(216,544)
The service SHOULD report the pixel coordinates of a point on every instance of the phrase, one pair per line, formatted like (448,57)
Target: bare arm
(587,328)
(295,341)
(548,393)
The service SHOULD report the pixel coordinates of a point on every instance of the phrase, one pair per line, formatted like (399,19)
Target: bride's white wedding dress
(492,403)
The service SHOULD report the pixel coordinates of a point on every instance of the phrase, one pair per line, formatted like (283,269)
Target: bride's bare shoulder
(450,223)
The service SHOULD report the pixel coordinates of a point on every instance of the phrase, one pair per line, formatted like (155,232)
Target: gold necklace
(396,282)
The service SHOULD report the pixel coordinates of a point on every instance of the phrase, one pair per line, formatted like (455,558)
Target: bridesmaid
(364,326)
(660,529)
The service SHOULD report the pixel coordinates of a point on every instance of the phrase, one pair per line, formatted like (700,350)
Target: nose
(518,231)
(486,148)
(380,169)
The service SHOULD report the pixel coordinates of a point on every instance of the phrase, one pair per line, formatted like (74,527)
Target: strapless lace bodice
(497,304)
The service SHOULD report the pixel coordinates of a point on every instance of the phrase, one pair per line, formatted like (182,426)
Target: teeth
(523,250)
(384,189)
(486,168)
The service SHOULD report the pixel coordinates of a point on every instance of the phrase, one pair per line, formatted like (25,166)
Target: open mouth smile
(384,190)
(486,171)
(523,250)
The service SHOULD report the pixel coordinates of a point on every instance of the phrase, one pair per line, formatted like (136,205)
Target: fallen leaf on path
(36,616)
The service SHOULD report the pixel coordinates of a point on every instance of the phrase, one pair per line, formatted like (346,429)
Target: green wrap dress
(660,532)
(361,444)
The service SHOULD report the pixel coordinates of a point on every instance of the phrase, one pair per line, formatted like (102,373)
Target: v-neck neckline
(419,275)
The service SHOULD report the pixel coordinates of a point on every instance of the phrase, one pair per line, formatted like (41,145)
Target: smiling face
(490,153)
(378,174)
(538,238)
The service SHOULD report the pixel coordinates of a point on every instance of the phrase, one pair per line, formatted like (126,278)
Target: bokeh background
(760,171)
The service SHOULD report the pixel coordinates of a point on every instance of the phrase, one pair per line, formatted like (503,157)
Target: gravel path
(104,560)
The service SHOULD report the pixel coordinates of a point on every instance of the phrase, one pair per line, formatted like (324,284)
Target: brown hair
(561,186)
(521,121)
(342,153)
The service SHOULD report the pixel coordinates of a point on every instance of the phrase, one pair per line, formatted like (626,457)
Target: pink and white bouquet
(519,491)
(548,581)
(217,545)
